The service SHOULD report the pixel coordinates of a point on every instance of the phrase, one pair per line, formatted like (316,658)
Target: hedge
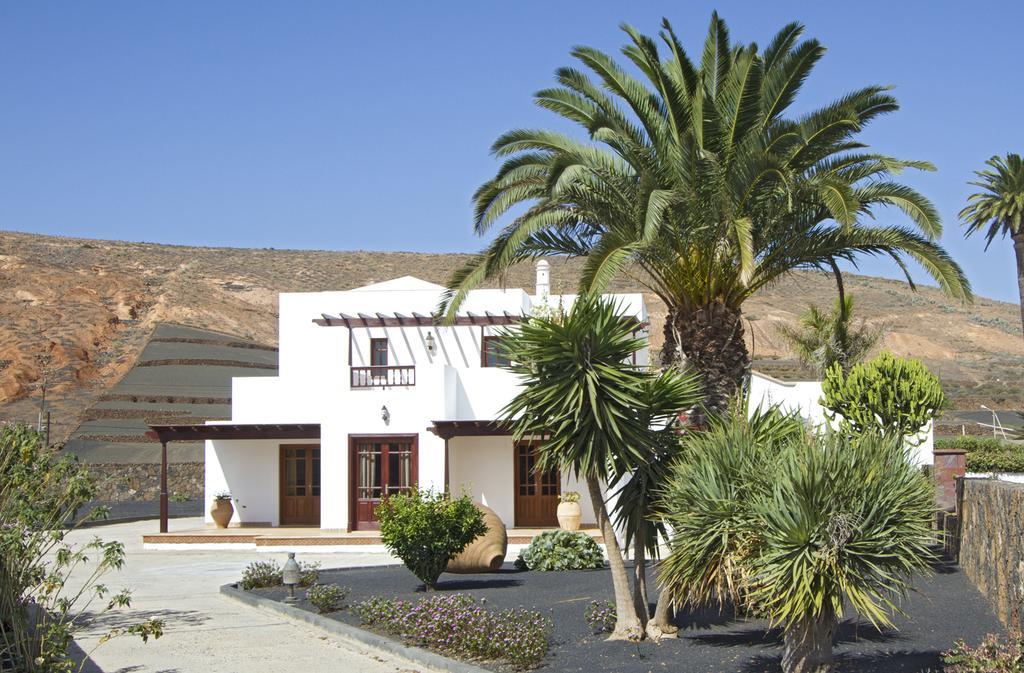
(987,454)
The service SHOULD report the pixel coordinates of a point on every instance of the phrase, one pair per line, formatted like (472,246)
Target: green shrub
(327,597)
(969,443)
(41,609)
(888,395)
(1011,460)
(455,625)
(993,655)
(600,617)
(309,574)
(561,550)
(263,574)
(986,454)
(427,529)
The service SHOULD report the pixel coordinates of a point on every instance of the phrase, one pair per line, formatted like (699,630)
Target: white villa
(373,398)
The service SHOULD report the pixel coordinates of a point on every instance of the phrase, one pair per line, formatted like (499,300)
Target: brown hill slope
(77,312)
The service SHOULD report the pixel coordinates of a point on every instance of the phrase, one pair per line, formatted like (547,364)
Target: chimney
(543,280)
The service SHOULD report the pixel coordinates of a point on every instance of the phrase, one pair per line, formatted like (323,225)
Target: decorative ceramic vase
(221,512)
(487,552)
(569,514)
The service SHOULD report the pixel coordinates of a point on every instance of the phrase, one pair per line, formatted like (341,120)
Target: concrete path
(204,632)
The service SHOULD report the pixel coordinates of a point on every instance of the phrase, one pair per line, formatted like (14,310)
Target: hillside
(78,313)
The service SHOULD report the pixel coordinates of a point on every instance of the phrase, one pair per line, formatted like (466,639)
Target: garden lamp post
(290,576)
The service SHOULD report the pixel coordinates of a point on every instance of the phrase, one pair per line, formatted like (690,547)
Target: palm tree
(594,408)
(999,209)
(697,181)
(797,528)
(824,339)
(639,484)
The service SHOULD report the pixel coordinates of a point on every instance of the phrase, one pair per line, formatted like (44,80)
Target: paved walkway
(204,632)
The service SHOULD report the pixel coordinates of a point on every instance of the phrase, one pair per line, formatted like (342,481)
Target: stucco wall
(992,543)
(483,468)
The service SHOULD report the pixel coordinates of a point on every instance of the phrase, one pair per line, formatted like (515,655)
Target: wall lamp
(431,344)
(385,415)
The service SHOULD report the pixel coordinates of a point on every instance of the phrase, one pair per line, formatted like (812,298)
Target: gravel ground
(945,608)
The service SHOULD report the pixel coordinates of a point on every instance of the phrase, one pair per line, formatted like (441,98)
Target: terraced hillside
(75,315)
(182,374)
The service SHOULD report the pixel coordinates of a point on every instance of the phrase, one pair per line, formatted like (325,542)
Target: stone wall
(992,543)
(120,482)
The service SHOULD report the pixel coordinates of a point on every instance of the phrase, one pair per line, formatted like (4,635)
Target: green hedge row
(987,454)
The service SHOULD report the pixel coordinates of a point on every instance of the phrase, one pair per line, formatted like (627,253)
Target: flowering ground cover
(945,609)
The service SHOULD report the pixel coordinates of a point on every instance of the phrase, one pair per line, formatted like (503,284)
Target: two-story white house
(371,398)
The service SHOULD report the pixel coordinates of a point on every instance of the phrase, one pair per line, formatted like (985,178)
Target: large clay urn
(221,512)
(569,514)
(486,553)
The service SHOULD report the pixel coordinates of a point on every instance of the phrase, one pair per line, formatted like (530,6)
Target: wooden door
(536,491)
(379,466)
(300,485)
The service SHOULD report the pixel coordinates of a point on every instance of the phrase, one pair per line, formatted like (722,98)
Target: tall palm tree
(823,339)
(698,181)
(999,209)
(597,412)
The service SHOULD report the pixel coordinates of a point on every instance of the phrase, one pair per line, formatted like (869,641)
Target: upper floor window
(378,352)
(491,353)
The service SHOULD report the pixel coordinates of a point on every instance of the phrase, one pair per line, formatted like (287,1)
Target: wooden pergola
(416,319)
(201,432)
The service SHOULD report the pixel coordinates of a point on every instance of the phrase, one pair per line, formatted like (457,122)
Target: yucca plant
(699,181)
(599,414)
(999,209)
(797,530)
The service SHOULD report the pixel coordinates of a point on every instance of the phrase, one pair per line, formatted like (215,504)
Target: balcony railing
(383,377)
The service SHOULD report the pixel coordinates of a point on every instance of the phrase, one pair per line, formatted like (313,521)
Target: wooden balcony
(383,377)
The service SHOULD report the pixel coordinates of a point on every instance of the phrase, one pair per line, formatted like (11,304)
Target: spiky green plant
(699,180)
(999,209)
(798,530)
(888,395)
(823,339)
(598,413)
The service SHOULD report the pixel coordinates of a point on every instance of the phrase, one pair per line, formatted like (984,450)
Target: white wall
(249,471)
(314,386)
(804,397)
(484,469)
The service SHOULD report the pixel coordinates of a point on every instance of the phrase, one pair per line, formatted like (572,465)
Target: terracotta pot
(569,514)
(221,512)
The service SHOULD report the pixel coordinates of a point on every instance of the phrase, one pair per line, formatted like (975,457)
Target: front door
(380,466)
(300,485)
(537,491)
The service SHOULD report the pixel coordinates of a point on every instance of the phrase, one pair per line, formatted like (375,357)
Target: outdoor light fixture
(385,415)
(431,346)
(290,576)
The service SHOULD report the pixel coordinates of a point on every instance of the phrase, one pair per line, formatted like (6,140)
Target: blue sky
(366,126)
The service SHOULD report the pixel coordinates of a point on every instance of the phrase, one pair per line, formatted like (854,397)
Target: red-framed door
(300,485)
(536,490)
(379,465)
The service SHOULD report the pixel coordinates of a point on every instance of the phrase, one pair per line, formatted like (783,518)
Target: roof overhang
(202,431)
(416,319)
(450,429)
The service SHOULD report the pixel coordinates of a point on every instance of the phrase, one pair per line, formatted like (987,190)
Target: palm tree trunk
(807,644)
(711,340)
(640,601)
(662,625)
(627,624)
(1018,247)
